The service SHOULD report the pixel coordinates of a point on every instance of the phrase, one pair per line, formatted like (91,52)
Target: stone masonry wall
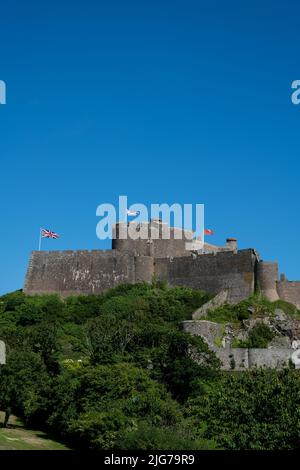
(158,248)
(243,358)
(78,272)
(237,358)
(92,272)
(289,291)
(212,272)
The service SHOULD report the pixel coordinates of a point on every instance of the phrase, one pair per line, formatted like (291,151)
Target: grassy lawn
(16,437)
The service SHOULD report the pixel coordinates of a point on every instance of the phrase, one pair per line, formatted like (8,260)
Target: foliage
(94,369)
(108,401)
(116,371)
(24,385)
(148,437)
(287,307)
(251,410)
(259,337)
(230,313)
(255,306)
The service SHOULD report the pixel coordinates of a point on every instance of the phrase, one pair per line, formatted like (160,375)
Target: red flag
(208,231)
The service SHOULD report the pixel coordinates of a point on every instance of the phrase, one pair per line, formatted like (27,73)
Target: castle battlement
(211,268)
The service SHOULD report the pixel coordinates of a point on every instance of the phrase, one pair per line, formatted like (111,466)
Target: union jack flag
(49,234)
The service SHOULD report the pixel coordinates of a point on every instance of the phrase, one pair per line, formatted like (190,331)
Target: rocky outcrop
(221,339)
(208,330)
(286,325)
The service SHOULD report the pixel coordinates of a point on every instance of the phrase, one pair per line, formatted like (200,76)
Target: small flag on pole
(132,213)
(206,232)
(44,233)
(49,234)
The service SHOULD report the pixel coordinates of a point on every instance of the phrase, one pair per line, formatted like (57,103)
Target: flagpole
(40,239)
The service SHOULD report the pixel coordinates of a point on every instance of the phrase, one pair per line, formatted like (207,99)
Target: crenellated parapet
(150,254)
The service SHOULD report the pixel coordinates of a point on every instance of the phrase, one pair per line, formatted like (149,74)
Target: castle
(232,274)
(209,268)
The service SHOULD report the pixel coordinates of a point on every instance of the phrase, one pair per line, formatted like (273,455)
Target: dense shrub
(287,307)
(104,402)
(148,437)
(255,306)
(95,368)
(117,371)
(251,410)
(259,337)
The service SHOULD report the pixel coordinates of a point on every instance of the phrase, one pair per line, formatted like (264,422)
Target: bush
(288,308)
(255,306)
(229,313)
(251,410)
(259,337)
(117,371)
(95,405)
(148,437)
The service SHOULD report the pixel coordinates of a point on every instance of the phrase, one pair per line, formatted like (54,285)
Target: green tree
(251,410)
(96,404)
(24,384)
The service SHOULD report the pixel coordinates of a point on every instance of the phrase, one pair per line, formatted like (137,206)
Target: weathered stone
(251,310)
(279,342)
(252,322)
(136,260)
(233,358)
(212,273)
(280,315)
(296,344)
(277,356)
(244,358)
(230,334)
(289,291)
(220,299)
(241,335)
(208,330)
(289,327)
(270,358)
(169,258)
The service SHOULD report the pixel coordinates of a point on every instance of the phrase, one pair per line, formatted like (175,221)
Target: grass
(261,307)
(17,437)
(258,337)
(288,308)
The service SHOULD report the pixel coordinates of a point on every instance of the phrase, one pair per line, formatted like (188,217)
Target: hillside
(256,323)
(116,371)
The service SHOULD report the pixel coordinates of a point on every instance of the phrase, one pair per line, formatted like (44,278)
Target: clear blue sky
(164,101)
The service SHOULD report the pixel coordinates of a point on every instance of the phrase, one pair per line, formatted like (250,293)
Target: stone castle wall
(274,289)
(237,358)
(244,358)
(156,247)
(92,272)
(289,291)
(209,268)
(78,272)
(212,272)
(267,275)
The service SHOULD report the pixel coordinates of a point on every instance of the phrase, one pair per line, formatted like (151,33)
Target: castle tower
(154,238)
(267,276)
